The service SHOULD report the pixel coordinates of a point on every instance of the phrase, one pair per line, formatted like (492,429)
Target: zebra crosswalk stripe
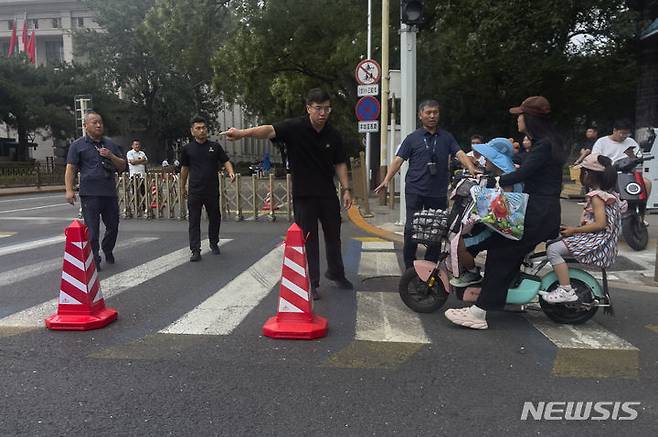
(110,286)
(222,312)
(15,248)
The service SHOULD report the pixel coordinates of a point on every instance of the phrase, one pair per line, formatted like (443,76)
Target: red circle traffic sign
(367,108)
(368,72)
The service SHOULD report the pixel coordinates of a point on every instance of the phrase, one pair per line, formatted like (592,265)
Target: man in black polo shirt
(98,160)
(316,155)
(426,184)
(200,161)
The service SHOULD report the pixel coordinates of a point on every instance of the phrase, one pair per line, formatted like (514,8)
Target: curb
(355,217)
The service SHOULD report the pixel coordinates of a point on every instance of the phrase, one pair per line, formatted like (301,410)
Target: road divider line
(110,287)
(26,272)
(589,350)
(20,247)
(374,264)
(222,312)
(59,205)
(383,317)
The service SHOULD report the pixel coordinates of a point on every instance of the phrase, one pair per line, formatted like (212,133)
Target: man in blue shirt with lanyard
(98,160)
(428,150)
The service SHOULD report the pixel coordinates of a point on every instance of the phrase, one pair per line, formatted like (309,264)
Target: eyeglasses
(321,109)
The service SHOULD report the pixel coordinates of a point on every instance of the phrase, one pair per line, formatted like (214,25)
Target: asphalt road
(187,356)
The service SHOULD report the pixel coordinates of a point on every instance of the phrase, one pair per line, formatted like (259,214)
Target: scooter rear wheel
(573,313)
(634,232)
(420,297)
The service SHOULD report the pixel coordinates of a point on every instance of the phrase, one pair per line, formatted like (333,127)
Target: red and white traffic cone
(154,196)
(295,318)
(81,305)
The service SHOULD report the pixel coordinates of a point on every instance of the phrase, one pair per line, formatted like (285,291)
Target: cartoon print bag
(501,211)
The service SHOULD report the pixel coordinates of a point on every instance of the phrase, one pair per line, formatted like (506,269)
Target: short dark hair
(477,137)
(198,119)
(317,95)
(622,124)
(136,140)
(428,103)
(91,112)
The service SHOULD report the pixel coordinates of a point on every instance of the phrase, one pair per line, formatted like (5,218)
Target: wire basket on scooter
(429,226)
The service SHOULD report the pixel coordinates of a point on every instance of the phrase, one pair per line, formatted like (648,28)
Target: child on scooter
(498,155)
(594,242)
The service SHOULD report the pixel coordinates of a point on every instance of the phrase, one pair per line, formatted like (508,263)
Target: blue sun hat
(499,151)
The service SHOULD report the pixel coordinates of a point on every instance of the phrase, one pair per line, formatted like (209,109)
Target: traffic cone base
(296,329)
(77,322)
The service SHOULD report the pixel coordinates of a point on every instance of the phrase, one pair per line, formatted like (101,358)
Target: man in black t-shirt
(200,161)
(316,155)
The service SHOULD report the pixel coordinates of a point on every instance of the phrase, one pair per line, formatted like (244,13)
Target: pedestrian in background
(200,161)
(591,136)
(98,159)
(315,154)
(136,159)
(428,150)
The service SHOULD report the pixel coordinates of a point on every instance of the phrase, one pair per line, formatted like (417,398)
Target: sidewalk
(16,191)
(632,270)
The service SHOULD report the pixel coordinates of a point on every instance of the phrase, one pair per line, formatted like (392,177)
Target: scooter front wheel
(573,313)
(418,295)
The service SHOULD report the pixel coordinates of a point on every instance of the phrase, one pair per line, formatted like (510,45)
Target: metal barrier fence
(160,195)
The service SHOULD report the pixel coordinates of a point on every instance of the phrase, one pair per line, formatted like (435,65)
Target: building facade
(55,23)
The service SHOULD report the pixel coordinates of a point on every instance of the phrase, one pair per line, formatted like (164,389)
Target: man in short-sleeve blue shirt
(98,159)
(428,151)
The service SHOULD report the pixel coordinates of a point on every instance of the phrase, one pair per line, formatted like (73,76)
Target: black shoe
(196,256)
(109,257)
(314,293)
(214,249)
(341,282)
(98,264)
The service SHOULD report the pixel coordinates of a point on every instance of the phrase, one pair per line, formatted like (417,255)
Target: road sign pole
(408,97)
(368,146)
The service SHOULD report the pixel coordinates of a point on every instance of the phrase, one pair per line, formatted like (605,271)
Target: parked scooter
(425,287)
(631,188)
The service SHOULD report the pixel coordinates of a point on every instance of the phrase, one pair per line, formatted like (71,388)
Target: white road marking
(222,312)
(7,234)
(110,286)
(40,219)
(588,336)
(377,245)
(39,268)
(383,317)
(379,264)
(25,199)
(19,247)
(59,205)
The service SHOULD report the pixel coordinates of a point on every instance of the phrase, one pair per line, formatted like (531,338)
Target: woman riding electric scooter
(541,174)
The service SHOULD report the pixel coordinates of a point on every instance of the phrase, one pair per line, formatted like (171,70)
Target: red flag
(24,34)
(31,48)
(12,41)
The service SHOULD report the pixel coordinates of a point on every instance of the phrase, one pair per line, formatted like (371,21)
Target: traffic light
(411,12)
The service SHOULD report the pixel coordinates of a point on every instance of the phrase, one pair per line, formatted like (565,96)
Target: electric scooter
(631,188)
(425,287)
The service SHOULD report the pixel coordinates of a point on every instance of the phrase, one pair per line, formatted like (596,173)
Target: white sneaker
(464,317)
(467,278)
(560,295)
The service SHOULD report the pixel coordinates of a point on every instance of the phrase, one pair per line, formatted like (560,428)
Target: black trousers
(415,203)
(93,209)
(504,257)
(308,210)
(194,203)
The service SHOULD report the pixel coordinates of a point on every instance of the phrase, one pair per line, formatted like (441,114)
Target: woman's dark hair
(605,180)
(542,128)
